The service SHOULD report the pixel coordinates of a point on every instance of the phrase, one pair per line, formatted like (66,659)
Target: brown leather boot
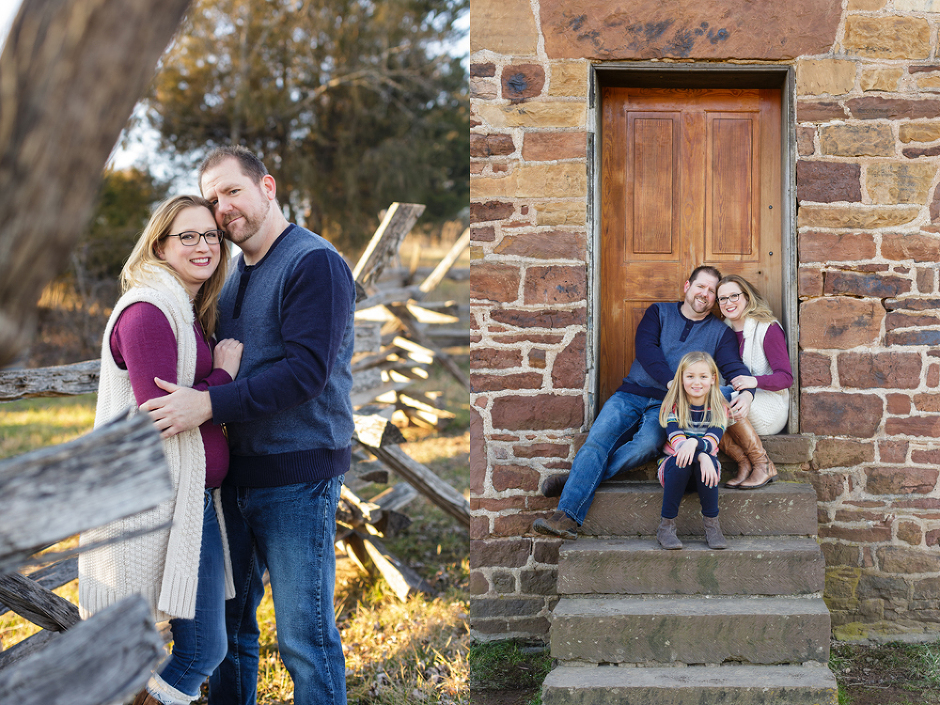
(736,453)
(558,524)
(762,467)
(145,698)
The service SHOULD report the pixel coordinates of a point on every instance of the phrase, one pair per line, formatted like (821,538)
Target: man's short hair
(706,269)
(251,166)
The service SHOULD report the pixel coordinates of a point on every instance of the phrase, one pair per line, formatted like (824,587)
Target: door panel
(689,177)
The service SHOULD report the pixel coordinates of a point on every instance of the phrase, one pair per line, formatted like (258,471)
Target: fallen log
(387,239)
(403,580)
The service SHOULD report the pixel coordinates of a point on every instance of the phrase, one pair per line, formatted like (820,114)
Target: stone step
(691,630)
(638,566)
(623,508)
(694,685)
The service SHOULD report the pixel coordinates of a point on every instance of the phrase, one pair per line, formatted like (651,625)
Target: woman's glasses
(190,238)
(732,298)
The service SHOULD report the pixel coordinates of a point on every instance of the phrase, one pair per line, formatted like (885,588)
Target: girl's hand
(686,451)
(228,356)
(709,473)
(744,382)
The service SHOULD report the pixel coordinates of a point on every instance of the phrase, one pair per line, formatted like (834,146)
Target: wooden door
(690,177)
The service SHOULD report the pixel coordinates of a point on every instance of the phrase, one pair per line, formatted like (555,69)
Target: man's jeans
(199,643)
(288,530)
(600,459)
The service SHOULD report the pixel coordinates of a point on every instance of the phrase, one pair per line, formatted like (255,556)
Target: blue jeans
(199,644)
(600,458)
(289,530)
(677,481)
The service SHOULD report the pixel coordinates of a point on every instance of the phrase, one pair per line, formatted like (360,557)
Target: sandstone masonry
(868,242)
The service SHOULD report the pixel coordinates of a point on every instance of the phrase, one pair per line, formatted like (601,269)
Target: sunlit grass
(36,423)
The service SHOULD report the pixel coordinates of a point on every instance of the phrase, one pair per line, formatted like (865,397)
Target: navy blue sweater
(288,413)
(664,336)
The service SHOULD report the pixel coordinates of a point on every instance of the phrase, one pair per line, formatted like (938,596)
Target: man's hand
(181,410)
(741,405)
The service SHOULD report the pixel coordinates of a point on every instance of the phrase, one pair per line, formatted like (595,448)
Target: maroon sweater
(142,342)
(775,350)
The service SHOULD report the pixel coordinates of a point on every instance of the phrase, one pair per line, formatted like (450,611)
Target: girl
(162,327)
(694,415)
(763,348)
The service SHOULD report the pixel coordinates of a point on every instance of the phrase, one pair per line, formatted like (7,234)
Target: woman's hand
(709,473)
(686,451)
(744,382)
(228,356)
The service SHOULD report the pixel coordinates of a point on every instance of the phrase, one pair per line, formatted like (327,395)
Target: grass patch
(894,673)
(35,423)
(507,665)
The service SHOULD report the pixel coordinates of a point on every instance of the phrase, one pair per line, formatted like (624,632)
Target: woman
(763,348)
(162,327)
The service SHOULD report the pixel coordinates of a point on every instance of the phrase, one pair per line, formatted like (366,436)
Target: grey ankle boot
(666,534)
(713,534)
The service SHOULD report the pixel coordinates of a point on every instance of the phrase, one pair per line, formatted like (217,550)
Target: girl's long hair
(145,254)
(715,411)
(757,306)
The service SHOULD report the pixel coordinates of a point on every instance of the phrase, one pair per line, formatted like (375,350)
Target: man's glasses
(190,238)
(732,298)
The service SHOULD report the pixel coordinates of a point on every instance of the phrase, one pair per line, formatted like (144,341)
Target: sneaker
(558,524)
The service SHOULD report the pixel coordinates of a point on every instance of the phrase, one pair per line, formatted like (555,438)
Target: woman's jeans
(677,481)
(289,530)
(199,644)
(600,458)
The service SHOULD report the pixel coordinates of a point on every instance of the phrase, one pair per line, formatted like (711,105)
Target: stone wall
(868,241)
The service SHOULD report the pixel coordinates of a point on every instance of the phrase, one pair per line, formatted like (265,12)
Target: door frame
(690,75)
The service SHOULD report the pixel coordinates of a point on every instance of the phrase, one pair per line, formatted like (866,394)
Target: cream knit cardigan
(162,565)
(769,410)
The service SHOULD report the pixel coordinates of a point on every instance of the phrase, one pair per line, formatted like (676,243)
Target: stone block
(827,182)
(878,108)
(750,566)
(560,213)
(828,486)
(540,581)
(542,180)
(477,452)
(490,210)
(501,553)
(634,508)
(522,81)
(866,5)
(551,146)
(891,451)
(880,78)
(926,426)
(514,477)
(917,5)
(538,114)
(899,182)
(480,383)
(860,217)
(568,78)
(815,370)
(669,630)
(503,27)
(903,560)
(856,534)
(482,70)
(483,89)
(540,412)
(824,76)
(887,37)
(913,337)
(494,282)
(856,141)
(570,366)
(555,285)
(540,318)
(882,370)
(482,358)
(487,234)
(919,247)
(900,480)
(840,414)
(482,608)
(927,403)
(708,29)
(805,140)
(910,533)
(554,244)
(740,685)
(490,145)
(919,131)
(820,111)
(917,152)
(840,323)
(809,282)
(836,247)
(789,449)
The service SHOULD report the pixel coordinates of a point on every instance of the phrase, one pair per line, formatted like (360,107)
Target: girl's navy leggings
(678,481)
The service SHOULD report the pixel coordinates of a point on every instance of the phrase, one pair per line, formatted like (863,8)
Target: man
(290,299)
(666,333)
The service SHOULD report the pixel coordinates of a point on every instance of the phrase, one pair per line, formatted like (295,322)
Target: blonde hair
(757,306)
(144,254)
(716,414)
